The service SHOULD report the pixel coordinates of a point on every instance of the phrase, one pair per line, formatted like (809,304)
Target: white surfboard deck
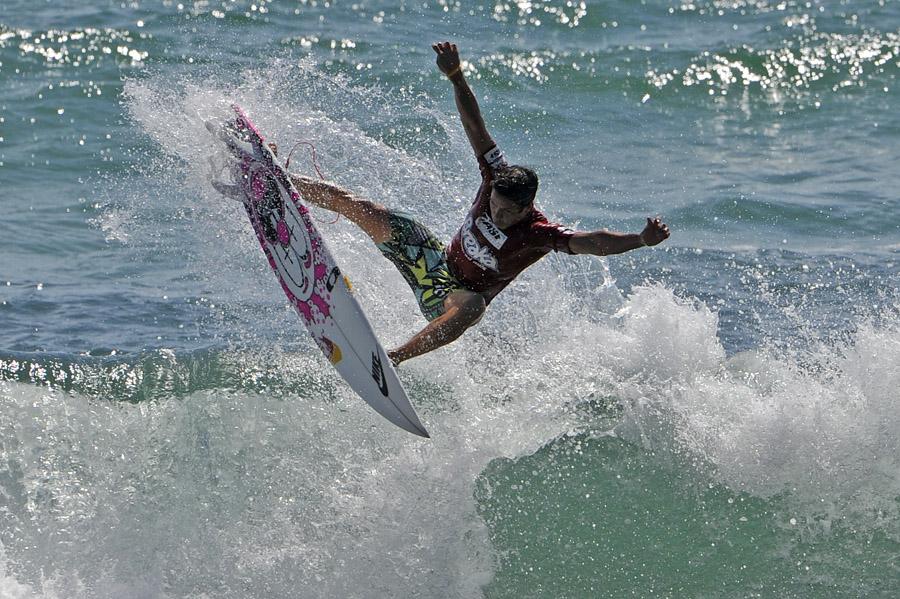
(308,273)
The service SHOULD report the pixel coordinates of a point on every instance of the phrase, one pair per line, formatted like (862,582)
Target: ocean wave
(258,480)
(817,425)
(74,48)
(814,62)
(166,375)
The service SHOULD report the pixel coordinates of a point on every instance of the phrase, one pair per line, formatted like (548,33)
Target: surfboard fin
(239,147)
(229,190)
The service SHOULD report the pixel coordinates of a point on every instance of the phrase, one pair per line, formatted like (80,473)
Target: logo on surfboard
(331,281)
(331,349)
(378,374)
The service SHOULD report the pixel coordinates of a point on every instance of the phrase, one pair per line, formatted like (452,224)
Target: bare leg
(367,215)
(462,309)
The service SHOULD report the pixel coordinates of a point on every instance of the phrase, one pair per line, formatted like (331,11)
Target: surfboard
(308,273)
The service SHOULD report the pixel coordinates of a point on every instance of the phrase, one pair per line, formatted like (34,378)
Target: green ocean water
(715,417)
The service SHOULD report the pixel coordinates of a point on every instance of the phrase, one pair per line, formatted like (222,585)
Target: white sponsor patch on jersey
(476,252)
(491,232)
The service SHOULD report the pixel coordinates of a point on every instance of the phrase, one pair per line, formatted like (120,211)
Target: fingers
(444,48)
(657,229)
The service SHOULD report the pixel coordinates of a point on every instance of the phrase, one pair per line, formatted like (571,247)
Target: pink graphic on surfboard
(308,273)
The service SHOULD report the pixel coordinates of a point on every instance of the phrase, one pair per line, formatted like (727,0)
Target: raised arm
(466,104)
(604,243)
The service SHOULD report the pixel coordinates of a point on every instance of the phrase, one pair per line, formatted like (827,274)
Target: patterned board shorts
(420,258)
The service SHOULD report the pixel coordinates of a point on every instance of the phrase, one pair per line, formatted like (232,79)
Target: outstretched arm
(604,243)
(449,64)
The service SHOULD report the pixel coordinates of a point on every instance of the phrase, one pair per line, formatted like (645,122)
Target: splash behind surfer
(502,234)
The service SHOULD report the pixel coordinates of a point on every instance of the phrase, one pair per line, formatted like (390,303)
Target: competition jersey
(485,258)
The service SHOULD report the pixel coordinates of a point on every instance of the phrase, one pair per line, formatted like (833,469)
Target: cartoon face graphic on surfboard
(308,273)
(286,236)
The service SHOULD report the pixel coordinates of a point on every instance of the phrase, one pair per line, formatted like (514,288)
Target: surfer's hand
(395,358)
(447,57)
(655,232)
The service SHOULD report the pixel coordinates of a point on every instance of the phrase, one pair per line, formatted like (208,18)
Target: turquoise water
(714,417)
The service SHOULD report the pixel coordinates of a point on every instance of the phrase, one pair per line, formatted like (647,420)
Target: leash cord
(314,158)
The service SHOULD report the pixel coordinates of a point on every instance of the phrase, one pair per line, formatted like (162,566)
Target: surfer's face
(504,212)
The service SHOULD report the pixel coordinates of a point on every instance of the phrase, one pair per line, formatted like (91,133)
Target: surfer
(502,235)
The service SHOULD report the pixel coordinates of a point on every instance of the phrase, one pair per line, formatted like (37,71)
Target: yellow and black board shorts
(420,257)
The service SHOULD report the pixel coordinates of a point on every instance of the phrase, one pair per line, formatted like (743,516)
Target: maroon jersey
(485,258)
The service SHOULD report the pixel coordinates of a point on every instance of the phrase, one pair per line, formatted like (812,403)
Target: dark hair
(518,183)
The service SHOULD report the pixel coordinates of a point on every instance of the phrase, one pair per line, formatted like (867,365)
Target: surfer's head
(512,194)
(518,184)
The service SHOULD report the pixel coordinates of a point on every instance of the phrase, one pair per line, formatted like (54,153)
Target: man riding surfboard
(502,234)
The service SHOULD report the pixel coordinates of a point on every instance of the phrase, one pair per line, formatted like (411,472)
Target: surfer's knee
(470,306)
